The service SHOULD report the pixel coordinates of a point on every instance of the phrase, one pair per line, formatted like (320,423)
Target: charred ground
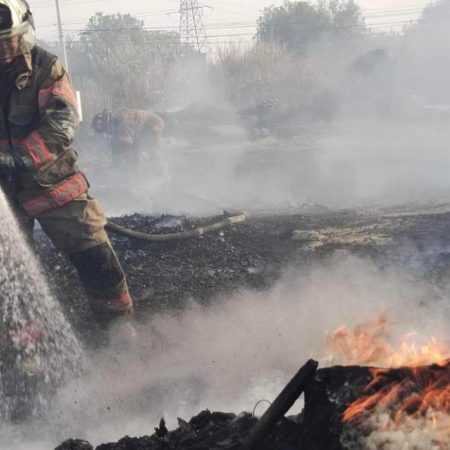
(253,255)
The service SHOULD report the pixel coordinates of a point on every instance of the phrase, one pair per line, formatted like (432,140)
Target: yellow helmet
(16,20)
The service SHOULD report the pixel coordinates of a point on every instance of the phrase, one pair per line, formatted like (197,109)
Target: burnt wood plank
(280,406)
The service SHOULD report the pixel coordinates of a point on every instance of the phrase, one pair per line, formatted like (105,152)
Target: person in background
(133,134)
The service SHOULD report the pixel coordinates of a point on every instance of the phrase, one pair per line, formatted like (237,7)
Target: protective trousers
(77,229)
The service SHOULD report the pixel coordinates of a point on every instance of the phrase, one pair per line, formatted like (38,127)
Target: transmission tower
(192,29)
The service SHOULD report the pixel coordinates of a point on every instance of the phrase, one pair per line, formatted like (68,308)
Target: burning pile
(408,406)
(373,396)
(405,403)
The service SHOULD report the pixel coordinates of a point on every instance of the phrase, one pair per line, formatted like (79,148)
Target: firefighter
(132,133)
(38,166)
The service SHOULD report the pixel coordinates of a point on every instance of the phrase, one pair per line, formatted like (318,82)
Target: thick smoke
(361,123)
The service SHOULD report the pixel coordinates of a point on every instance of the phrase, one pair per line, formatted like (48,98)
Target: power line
(131,29)
(414,5)
(245,23)
(175,39)
(224,25)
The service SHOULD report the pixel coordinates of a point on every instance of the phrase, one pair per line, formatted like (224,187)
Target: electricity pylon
(192,29)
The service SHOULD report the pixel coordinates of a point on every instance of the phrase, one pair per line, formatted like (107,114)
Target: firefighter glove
(11,166)
(7,166)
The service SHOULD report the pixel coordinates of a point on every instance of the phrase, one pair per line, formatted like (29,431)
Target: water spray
(38,349)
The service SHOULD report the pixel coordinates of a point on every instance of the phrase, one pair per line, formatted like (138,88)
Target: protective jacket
(38,119)
(133,127)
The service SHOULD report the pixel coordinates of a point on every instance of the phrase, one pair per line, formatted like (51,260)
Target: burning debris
(346,407)
(402,403)
(352,407)
(411,403)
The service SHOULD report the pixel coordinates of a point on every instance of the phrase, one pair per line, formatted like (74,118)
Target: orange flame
(366,344)
(418,388)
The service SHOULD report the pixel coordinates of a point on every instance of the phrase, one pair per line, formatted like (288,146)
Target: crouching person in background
(133,135)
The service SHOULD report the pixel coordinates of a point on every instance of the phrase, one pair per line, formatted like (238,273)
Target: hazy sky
(225,20)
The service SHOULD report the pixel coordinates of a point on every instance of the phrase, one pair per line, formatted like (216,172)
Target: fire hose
(196,232)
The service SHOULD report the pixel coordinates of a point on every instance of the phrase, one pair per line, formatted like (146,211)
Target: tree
(426,55)
(436,14)
(266,72)
(298,24)
(127,62)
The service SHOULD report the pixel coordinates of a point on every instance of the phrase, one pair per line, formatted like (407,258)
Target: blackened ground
(252,255)
(165,275)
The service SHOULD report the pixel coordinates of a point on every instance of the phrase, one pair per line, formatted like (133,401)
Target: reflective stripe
(122,304)
(37,149)
(62,88)
(34,145)
(57,197)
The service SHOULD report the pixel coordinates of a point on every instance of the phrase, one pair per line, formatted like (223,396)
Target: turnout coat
(38,120)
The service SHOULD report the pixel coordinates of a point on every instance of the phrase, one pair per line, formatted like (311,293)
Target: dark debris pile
(206,431)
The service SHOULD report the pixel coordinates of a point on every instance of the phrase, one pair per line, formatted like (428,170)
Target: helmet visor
(14,40)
